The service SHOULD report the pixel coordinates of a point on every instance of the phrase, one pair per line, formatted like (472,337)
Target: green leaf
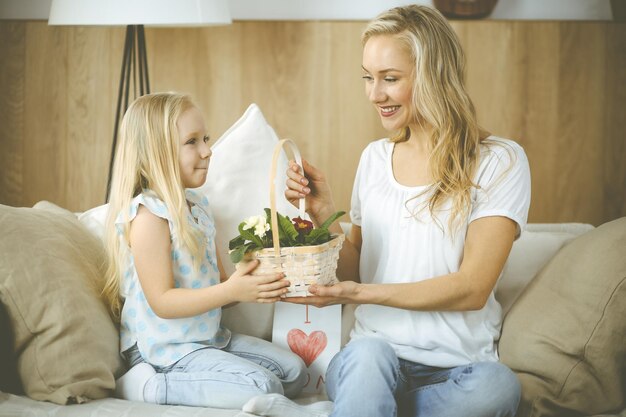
(239,252)
(331,219)
(249,235)
(317,236)
(236,255)
(268,216)
(286,231)
(237,241)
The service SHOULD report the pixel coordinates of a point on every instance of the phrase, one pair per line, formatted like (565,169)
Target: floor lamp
(134,14)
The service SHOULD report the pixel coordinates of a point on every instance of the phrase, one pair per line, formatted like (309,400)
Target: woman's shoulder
(497,149)
(500,156)
(379,148)
(379,145)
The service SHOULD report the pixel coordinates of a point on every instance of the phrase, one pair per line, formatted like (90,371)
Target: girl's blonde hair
(439,100)
(146,158)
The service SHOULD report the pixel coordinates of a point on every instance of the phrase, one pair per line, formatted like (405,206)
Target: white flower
(261,229)
(259,224)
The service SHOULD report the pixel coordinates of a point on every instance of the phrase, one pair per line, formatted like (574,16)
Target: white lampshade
(140,12)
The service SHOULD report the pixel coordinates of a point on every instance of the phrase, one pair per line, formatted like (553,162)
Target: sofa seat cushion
(51,271)
(14,405)
(564,336)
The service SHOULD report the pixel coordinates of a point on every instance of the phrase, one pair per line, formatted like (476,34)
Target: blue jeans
(226,378)
(367,379)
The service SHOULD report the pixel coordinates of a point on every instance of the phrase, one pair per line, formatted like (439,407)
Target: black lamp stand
(135,72)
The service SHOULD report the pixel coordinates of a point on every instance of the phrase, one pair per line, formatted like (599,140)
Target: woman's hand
(312,186)
(345,292)
(266,288)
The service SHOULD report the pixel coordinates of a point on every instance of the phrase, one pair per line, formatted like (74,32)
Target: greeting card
(312,333)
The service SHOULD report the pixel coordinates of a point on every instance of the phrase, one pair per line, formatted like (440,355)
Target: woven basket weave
(302,265)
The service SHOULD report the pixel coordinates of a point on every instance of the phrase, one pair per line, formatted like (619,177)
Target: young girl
(435,211)
(164,280)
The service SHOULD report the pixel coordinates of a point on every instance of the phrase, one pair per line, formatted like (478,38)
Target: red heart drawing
(307,347)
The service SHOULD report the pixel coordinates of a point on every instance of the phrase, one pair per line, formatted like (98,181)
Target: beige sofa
(564,335)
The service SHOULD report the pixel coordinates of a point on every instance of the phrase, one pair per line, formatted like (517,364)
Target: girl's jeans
(225,378)
(367,379)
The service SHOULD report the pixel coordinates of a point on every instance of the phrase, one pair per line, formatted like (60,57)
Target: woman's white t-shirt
(400,247)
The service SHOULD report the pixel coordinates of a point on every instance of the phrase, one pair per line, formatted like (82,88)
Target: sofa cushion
(536,246)
(9,377)
(564,337)
(238,187)
(50,277)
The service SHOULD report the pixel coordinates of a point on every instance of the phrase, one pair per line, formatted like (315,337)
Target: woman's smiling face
(388,74)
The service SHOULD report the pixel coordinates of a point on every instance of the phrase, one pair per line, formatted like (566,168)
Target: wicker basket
(302,265)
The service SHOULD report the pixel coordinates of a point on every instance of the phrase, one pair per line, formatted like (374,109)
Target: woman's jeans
(367,379)
(225,378)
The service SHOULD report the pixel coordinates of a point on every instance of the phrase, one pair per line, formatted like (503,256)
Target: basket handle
(296,153)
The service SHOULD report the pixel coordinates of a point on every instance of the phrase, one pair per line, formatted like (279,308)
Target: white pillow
(94,219)
(237,187)
(529,254)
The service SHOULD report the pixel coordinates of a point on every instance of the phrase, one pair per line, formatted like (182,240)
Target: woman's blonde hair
(146,158)
(439,100)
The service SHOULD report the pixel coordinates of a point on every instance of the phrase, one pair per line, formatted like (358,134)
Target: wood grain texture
(12,47)
(614,156)
(558,88)
(91,88)
(45,115)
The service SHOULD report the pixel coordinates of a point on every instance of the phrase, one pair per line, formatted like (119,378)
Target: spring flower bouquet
(255,233)
(305,254)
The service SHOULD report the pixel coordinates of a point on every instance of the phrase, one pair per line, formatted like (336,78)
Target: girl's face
(194,151)
(388,75)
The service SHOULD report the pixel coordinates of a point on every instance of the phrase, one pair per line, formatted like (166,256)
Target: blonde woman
(435,211)
(164,276)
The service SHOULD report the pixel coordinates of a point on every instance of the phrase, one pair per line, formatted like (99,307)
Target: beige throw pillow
(565,337)
(50,278)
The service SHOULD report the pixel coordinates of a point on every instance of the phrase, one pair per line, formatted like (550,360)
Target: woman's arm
(487,246)
(151,249)
(313,186)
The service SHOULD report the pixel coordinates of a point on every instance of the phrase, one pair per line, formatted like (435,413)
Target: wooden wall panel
(558,88)
(91,87)
(614,184)
(45,115)
(542,84)
(12,49)
(580,111)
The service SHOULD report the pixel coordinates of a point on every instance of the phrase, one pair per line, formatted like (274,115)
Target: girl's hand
(312,186)
(345,292)
(266,288)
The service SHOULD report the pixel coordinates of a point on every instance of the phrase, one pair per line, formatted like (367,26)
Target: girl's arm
(223,278)
(487,246)
(151,248)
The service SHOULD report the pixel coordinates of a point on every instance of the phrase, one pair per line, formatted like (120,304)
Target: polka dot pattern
(161,341)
